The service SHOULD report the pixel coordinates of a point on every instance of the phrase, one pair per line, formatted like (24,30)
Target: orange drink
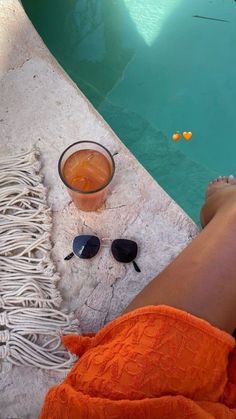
(87,168)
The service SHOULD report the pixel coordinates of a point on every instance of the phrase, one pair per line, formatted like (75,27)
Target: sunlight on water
(149,16)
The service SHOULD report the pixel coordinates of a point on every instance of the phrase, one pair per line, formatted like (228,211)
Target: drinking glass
(88,200)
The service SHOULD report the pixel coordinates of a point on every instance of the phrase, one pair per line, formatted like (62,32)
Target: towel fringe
(30,322)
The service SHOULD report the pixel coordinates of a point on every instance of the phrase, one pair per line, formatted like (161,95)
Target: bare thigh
(202,279)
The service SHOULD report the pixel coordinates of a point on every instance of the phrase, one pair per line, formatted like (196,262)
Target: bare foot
(221,192)
(220,182)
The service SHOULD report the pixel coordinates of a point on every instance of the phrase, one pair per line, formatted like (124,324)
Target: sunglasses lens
(86,247)
(124,250)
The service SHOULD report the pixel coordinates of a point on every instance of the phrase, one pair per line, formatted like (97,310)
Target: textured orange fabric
(155,362)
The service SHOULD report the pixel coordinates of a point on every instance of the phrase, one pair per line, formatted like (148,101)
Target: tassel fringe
(31,324)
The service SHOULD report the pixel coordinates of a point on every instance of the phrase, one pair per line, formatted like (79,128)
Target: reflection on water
(151,68)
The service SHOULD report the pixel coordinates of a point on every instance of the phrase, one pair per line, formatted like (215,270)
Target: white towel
(30,321)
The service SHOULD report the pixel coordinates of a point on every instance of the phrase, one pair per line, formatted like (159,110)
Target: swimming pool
(152,67)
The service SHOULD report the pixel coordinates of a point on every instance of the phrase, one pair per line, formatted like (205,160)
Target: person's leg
(202,279)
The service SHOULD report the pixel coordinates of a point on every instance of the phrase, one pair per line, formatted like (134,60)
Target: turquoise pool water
(152,67)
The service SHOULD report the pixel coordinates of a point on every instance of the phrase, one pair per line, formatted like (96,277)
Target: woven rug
(31,323)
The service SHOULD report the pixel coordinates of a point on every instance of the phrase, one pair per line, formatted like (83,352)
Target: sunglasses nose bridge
(106,242)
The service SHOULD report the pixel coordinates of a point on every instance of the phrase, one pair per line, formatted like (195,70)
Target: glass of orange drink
(87,168)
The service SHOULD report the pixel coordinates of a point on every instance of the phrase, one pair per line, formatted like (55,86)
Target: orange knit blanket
(155,362)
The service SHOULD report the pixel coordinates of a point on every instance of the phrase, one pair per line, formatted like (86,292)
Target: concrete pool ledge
(41,105)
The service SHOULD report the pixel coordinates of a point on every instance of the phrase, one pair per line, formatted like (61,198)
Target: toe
(231,180)
(218,183)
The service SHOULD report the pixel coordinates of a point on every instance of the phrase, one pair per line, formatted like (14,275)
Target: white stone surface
(40,105)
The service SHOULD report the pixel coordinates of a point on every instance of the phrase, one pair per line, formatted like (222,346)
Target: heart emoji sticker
(187,135)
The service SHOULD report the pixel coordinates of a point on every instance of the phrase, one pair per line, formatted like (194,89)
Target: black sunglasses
(87,246)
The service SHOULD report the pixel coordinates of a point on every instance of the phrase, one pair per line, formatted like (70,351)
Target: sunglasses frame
(72,254)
